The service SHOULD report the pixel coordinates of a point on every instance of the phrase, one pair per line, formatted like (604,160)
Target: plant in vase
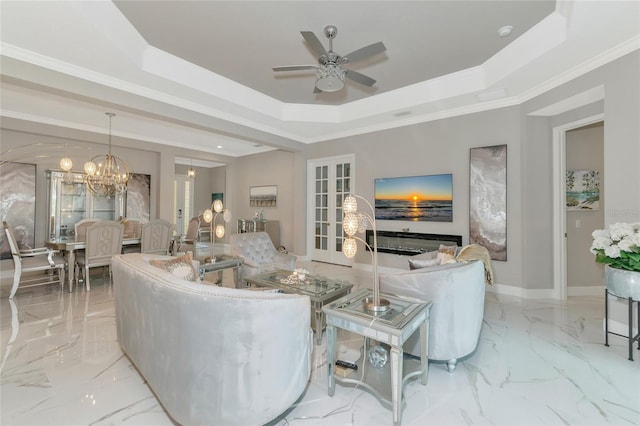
(618,246)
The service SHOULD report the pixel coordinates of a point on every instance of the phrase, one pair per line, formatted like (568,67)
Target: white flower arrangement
(618,246)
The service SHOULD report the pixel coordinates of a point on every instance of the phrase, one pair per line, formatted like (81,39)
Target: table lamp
(354,222)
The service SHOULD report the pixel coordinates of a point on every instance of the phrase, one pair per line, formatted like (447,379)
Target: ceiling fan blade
(365,52)
(313,41)
(360,78)
(294,68)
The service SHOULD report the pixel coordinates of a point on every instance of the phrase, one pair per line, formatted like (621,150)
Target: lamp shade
(219,231)
(350,224)
(226,215)
(349,247)
(90,168)
(66,164)
(350,204)
(217,206)
(207,215)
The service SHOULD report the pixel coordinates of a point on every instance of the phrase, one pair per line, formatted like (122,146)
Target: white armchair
(457,292)
(258,253)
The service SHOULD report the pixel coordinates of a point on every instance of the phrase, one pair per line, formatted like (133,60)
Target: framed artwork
(582,190)
(263,196)
(415,198)
(139,197)
(18,204)
(217,196)
(488,199)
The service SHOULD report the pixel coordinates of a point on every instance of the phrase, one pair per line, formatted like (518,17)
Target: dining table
(69,246)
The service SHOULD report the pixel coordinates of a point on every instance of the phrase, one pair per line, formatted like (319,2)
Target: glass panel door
(330,180)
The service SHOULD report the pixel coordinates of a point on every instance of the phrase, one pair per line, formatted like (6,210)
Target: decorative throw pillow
(444,257)
(448,249)
(181,267)
(422,263)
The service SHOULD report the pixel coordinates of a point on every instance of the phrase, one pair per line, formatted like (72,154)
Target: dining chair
(188,243)
(33,260)
(103,240)
(204,229)
(80,227)
(156,235)
(132,229)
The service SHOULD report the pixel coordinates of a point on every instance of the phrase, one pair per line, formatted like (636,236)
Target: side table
(221,262)
(392,327)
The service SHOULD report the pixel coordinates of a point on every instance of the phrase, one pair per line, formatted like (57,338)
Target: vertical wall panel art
(488,199)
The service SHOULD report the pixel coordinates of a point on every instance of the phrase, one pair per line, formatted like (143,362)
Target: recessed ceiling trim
(581,99)
(197,162)
(540,39)
(176,69)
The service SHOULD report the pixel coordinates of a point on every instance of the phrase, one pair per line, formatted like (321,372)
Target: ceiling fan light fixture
(330,78)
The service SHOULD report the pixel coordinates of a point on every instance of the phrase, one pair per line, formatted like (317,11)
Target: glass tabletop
(311,285)
(400,308)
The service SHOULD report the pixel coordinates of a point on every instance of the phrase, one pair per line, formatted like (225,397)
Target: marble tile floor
(537,363)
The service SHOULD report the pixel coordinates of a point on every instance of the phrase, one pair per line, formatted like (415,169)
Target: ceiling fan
(330,71)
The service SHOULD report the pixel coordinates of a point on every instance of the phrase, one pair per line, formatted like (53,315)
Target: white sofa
(457,292)
(212,355)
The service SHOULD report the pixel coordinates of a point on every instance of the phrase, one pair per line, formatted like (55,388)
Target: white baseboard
(595,290)
(524,293)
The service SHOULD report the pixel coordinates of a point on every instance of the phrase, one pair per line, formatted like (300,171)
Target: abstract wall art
(488,199)
(18,204)
(138,197)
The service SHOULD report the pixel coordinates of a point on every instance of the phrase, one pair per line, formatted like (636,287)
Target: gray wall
(272,168)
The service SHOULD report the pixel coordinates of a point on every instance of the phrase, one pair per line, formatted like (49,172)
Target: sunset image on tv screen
(415,198)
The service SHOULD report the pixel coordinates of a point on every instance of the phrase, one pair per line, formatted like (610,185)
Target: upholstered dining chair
(33,260)
(204,230)
(156,235)
(81,226)
(188,242)
(103,240)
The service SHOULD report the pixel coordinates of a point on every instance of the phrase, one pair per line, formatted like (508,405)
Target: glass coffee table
(219,263)
(320,290)
(382,367)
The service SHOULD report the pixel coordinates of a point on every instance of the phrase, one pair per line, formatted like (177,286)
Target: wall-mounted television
(415,198)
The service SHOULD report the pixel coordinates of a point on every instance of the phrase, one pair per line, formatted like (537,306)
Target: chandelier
(106,175)
(330,77)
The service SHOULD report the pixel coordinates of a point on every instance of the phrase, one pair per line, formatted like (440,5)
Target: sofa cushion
(422,263)
(181,267)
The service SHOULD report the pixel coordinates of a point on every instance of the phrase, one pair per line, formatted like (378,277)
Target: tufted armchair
(259,254)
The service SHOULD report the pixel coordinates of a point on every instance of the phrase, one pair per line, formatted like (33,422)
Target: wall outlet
(578,223)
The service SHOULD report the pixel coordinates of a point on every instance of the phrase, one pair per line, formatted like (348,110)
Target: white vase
(622,283)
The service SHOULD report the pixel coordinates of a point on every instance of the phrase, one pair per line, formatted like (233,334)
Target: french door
(182,202)
(330,180)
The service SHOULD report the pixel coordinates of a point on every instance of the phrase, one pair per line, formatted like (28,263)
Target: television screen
(415,198)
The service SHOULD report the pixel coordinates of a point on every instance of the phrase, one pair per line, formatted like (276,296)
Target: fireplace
(410,243)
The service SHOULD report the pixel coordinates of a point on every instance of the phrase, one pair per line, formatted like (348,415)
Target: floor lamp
(209,217)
